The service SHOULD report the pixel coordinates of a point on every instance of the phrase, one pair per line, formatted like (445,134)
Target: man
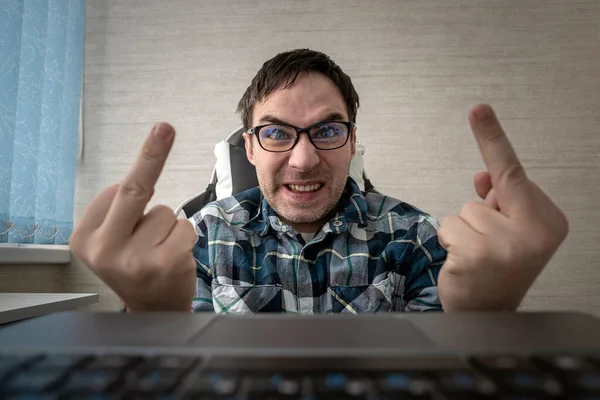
(307,240)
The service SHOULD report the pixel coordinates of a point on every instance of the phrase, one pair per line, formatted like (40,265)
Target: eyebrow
(270,119)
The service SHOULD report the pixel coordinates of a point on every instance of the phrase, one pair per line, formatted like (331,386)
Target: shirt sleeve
(203,299)
(421,269)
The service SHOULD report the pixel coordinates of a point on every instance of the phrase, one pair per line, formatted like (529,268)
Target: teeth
(309,188)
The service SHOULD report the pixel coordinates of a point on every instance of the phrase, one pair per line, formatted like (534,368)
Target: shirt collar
(352,207)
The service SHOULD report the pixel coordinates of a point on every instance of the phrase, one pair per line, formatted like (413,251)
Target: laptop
(78,355)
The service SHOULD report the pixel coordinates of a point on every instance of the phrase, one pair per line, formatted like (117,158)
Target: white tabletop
(16,306)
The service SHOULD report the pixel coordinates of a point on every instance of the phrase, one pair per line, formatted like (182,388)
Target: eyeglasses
(327,135)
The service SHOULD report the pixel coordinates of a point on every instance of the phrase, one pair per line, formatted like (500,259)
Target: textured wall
(418,67)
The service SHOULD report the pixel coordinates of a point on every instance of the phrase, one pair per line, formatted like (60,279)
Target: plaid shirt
(376,254)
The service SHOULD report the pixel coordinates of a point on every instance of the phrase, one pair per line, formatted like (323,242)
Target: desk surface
(16,306)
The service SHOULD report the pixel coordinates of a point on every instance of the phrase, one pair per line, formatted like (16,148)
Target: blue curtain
(41,63)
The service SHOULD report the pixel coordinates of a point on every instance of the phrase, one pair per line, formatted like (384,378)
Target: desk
(16,306)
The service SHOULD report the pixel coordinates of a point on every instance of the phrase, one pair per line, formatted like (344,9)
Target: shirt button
(337,223)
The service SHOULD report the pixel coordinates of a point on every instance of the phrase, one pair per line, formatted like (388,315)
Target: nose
(304,156)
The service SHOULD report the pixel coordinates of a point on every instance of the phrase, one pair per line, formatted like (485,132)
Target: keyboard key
(152,397)
(394,384)
(6,371)
(501,364)
(95,396)
(332,384)
(357,388)
(183,363)
(218,383)
(532,382)
(111,361)
(578,373)
(35,381)
(566,364)
(10,364)
(526,381)
(63,361)
(595,360)
(465,383)
(589,382)
(520,376)
(154,381)
(92,381)
(405,396)
(274,386)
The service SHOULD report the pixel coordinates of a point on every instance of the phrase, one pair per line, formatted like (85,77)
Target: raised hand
(497,248)
(146,259)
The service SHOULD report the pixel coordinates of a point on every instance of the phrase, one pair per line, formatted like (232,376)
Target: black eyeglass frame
(256,130)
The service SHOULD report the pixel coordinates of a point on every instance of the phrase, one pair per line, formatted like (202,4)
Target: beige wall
(418,67)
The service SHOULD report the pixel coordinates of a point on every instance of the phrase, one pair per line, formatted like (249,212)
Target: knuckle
(162,259)
(187,268)
(164,212)
(192,264)
(135,190)
(562,226)
(141,266)
(441,232)
(76,243)
(150,152)
(481,254)
(450,269)
(446,223)
(546,243)
(491,200)
(495,136)
(514,173)
(112,188)
(563,232)
(100,258)
(516,254)
(469,209)
(444,228)
(188,231)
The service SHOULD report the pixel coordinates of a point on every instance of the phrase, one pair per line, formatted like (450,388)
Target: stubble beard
(309,213)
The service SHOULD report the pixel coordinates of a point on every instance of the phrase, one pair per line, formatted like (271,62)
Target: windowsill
(12,253)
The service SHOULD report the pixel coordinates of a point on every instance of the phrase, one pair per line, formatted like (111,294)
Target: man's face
(284,178)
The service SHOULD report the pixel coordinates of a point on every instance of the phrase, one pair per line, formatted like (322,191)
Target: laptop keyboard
(120,376)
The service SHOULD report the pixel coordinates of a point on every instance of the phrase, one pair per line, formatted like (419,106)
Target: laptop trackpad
(311,332)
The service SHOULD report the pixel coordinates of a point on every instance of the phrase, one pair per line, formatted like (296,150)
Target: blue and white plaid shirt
(376,254)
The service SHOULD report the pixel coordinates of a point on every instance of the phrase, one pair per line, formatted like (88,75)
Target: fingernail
(162,131)
(485,114)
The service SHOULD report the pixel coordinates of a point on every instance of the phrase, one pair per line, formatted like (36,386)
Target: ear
(249,147)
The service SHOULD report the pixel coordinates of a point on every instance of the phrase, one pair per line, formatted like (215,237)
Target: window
(40,76)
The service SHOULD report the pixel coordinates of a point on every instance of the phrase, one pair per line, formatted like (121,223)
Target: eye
(326,132)
(275,133)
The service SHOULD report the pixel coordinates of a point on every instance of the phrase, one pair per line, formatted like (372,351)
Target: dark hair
(282,70)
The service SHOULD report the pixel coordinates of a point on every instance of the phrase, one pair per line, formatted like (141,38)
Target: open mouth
(304,188)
